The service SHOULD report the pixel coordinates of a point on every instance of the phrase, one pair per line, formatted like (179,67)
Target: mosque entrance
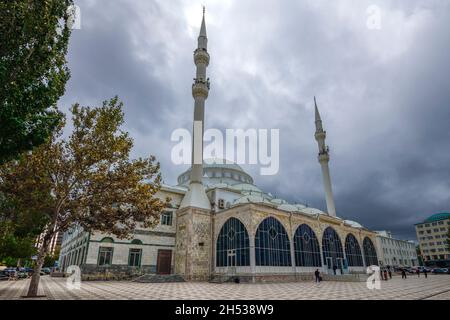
(164,261)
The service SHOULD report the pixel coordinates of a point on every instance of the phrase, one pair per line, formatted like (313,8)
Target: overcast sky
(384,95)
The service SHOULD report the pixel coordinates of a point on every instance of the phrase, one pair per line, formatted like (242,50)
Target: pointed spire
(202,38)
(203,28)
(317,110)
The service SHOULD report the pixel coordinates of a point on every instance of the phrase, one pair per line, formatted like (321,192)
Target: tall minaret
(196,195)
(324,158)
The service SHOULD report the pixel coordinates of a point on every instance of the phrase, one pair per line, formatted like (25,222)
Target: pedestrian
(418,273)
(385,275)
(334,269)
(317,274)
(403,274)
(425,272)
(390,273)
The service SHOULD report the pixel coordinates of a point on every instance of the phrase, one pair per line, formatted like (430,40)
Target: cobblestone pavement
(413,288)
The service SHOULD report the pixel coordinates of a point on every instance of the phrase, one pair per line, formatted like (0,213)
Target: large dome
(218,171)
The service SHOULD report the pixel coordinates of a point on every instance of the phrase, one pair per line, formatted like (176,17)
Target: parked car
(22,273)
(441,271)
(3,275)
(29,270)
(422,269)
(46,270)
(10,272)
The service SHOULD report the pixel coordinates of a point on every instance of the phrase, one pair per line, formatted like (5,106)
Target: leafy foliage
(86,180)
(34,37)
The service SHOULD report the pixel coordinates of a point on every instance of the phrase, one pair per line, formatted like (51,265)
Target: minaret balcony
(324,157)
(200,88)
(201,56)
(320,135)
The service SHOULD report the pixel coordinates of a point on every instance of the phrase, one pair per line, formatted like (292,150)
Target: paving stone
(435,287)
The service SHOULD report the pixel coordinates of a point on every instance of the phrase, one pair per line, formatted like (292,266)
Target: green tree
(50,260)
(19,224)
(34,36)
(87,179)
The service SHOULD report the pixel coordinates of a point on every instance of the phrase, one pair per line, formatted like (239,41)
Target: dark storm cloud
(383,94)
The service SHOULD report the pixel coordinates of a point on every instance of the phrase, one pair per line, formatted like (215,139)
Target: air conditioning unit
(221,204)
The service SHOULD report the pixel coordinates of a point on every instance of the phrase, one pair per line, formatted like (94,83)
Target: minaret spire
(196,195)
(324,158)
(202,37)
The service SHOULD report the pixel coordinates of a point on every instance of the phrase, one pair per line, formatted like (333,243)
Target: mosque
(221,225)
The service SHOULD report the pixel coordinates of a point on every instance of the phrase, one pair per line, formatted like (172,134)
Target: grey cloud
(383,95)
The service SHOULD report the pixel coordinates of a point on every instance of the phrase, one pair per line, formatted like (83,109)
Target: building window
(306,247)
(233,246)
(370,254)
(332,247)
(134,257)
(136,241)
(107,240)
(353,251)
(272,247)
(105,255)
(166,218)
(83,257)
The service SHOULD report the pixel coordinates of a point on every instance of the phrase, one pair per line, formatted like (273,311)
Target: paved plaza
(413,288)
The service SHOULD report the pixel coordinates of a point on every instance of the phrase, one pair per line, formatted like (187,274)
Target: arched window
(107,240)
(370,254)
(353,251)
(136,241)
(306,247)
(272,247)
(233,247)
(332,247)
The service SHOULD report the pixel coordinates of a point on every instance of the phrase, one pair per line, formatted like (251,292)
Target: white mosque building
(220,224)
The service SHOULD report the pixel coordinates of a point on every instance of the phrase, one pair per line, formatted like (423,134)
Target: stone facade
(251,215)
(193,244)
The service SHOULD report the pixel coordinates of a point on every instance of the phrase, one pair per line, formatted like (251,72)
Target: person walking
(334,269)
(390,273)
(403,274)
(425,272)
(317,274)
(385,275)
(418,273)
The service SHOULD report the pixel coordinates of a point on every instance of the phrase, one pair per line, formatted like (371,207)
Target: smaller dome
(438,217)
(251,199)
(246,187)
(312,211)
(300,206)
(354,224)
(278,201)
(287,207)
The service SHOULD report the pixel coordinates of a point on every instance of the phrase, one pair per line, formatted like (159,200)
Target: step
(158,278)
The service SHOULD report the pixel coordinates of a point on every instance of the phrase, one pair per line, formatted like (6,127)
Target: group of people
(385,273)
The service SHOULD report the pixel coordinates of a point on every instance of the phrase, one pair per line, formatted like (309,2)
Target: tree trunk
(34,283)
